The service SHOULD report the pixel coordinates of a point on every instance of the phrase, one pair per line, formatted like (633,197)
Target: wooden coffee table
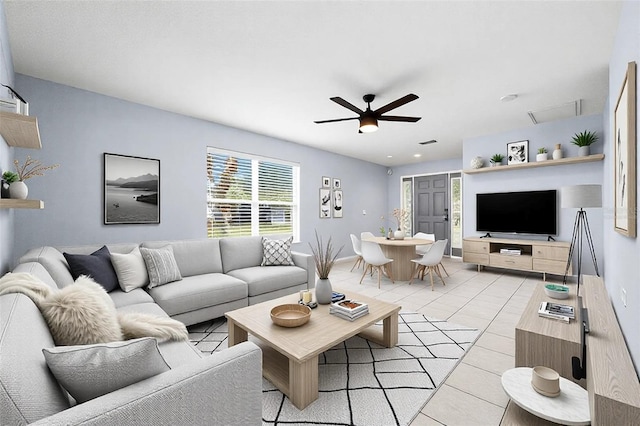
(290,355)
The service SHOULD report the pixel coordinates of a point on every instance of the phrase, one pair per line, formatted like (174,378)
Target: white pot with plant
(17,187)
(324,258)
(583,141)
(542,154)
(496,160)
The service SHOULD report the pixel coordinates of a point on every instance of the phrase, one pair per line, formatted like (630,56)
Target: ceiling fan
(368,118)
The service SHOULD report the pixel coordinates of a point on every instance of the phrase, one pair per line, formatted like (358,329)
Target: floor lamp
(580,197)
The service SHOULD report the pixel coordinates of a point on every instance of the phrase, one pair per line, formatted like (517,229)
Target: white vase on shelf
(18,190)
(557,153)
(477,163)
(583,151)
(541,157)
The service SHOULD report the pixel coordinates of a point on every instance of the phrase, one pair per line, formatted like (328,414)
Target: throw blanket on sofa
(83,313)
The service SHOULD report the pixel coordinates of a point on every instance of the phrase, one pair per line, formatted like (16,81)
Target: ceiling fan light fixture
(368,124)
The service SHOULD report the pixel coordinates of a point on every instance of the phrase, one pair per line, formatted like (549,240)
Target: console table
(547,257)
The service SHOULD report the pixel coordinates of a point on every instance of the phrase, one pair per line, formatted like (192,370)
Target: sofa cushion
(194,257)
(265,279)
(240,252)
(130,269)
(90,371)
(138,295)
(28,390)
(197,292)
(276,252)
(161,265)
(96,265)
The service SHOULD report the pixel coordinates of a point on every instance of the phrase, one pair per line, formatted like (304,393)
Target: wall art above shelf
(9,203)
(530,165)
(20,130)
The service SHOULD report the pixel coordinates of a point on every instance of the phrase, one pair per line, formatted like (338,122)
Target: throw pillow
(96,265)
(276,252)
(161,265)
(130,269)
(87,372)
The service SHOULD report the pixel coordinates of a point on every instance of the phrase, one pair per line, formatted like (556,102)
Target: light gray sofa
(221,389)
(218,275)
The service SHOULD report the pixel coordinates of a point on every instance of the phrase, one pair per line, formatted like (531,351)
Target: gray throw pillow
(276,252)
(161,265)
(89,371)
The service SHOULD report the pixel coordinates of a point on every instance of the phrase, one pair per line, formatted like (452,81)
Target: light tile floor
(491,301)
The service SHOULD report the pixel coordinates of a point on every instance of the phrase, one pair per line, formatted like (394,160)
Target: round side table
(571,407)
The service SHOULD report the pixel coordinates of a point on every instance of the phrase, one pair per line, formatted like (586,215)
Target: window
(251,195)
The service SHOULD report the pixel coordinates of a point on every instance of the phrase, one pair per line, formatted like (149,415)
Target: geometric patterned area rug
(362,383)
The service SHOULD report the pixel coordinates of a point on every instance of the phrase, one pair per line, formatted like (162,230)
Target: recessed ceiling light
(389,156)
(417,155)
(509,98)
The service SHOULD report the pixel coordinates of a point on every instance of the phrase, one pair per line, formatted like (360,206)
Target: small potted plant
(583,141)
(324,258)
(542,154)
(8,178)
(496,160)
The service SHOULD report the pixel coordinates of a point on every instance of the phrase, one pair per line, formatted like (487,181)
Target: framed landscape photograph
(131,190)
(625,156)
(337,203)
(518,152)
(325,203)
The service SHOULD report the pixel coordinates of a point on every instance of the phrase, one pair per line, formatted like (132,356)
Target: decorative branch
(31,168)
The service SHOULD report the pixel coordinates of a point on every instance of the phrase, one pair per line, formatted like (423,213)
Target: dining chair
(375,258)
(430,262)
(366,234)
(357,248)
(421,250)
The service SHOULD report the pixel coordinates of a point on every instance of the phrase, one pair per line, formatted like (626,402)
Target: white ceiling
(271,66)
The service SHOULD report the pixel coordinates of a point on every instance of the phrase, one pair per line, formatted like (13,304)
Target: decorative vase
(18,190)
(583,151)
(398,235)
(557,153)
(541,157)
(477,163)
(324,292)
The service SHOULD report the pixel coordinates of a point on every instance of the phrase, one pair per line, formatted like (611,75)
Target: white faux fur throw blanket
(83,313)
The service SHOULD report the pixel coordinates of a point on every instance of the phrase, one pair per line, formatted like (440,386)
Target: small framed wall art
(131,189)
(325,203)
(337,184)
(326,182)
(337,203)
(518,152)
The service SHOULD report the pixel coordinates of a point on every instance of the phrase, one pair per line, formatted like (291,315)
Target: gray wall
(77,127)
(6,153)
(622,253)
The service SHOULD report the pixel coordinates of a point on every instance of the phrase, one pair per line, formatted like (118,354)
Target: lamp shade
(368,124)
(580,196)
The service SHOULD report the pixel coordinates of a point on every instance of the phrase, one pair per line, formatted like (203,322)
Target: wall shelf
(20,130)
(9,203)
(560,162)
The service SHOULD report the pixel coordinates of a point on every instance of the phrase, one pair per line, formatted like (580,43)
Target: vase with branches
(30,168)
(324,256)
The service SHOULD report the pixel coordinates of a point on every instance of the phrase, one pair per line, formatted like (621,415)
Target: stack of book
(349,309)
(556,311)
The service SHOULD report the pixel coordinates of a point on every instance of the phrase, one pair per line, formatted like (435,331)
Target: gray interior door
(431,206)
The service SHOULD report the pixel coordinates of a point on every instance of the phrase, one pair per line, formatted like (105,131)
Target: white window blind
(251,195)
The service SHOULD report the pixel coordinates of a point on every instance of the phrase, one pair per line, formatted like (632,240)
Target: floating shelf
(547,163)
(20,130)
(9,203)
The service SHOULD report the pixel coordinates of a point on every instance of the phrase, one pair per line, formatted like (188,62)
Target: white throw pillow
(161,265)
(276,252)
(89,371)
(131,270)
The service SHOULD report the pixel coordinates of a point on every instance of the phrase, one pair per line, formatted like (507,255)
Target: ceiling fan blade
(347,105)
(398,118)
(397,103)
(336,119)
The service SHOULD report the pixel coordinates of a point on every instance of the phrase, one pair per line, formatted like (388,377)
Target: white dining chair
(421,250)
(375,258)
(430,262)
(366,234)
(357,248)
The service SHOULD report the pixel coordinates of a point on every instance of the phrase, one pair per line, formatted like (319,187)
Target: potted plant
(584,140)
(8,178)
(324,258)
(31,168)
(496,160)
(542,154)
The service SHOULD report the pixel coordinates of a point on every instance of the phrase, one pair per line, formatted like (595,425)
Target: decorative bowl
(290,315)
(556,291)
(545,381)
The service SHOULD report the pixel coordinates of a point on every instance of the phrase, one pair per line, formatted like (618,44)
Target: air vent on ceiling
(567,110)
(428,142)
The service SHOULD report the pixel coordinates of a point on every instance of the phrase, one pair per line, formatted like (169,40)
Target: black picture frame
(131,190)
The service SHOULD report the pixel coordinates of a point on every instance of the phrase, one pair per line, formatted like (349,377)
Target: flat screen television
(526,212)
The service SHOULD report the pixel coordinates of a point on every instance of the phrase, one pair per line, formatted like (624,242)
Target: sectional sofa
(218,275)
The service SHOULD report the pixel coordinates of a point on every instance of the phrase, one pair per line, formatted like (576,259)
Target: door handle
(446,215)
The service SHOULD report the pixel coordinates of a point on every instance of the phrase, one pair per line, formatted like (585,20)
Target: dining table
(402,252)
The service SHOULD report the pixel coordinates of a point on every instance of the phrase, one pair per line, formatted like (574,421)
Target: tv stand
(546,257)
